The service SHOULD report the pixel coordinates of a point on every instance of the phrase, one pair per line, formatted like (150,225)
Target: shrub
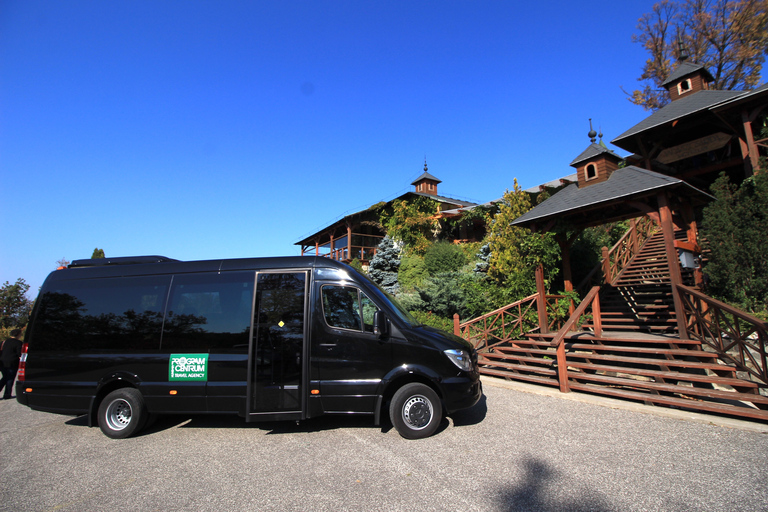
(412,272)
(432,320)
(443,257)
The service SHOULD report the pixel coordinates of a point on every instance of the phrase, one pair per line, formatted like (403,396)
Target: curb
(613,403)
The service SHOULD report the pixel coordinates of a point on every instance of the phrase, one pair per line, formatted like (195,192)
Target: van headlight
(460,358)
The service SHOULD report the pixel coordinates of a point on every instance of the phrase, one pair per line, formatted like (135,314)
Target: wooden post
(606,266)
(349,242)
(633,236)
(565,254)
(541,303)
(751,149)
(668,229)
(562,369)
(456,328)
(597,319)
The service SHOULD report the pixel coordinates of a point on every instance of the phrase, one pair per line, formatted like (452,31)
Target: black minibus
(123,339)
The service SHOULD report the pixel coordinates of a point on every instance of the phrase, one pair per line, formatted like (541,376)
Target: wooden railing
(510,322)
(622,252)
(738,337)
(590,302)
(344,253)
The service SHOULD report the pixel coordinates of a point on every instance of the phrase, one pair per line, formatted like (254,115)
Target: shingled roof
(686,68)
(683,107)
(623,185)
(592,151)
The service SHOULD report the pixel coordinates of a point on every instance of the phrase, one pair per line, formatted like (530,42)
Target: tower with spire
(426,183)
(687,78)
(596,163)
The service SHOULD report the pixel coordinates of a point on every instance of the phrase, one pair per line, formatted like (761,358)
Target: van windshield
(401,312)
(380,294)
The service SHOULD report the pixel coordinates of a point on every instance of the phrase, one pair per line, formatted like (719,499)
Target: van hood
(440,339)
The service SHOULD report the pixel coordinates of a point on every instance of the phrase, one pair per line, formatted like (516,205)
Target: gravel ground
(516,450)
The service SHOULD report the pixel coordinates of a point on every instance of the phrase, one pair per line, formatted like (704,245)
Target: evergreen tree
(734,228)
(97,254)
(384,265)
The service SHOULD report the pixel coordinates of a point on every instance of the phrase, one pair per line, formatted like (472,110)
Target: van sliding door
(278,347)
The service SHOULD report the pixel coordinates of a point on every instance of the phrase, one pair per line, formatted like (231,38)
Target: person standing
(11,351)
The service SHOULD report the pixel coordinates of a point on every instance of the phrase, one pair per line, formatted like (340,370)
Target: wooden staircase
(638,355)
(640,297)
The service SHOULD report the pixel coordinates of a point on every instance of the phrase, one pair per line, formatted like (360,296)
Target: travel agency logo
(188,367)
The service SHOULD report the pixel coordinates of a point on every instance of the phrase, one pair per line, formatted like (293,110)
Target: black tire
(122,413)
(415,411)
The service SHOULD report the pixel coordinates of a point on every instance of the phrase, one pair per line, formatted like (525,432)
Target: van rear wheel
(415,411)
(122,413)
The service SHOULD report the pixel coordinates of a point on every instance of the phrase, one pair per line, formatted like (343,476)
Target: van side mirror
(380,324)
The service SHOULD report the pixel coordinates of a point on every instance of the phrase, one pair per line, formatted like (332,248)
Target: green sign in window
(188,367)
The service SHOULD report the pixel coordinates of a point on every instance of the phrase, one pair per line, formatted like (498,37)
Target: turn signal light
(315,392)
(28,390)
(173,392)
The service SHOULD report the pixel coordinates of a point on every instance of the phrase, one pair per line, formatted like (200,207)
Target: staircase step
(498,358)
(619,338)
(669,388)
(524,350)
(668,375)
(685,352)
(537,379)
(671,363)
(682,403)
(529,340)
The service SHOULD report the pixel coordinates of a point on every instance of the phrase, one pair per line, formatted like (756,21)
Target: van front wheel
(122,413)
(415,411)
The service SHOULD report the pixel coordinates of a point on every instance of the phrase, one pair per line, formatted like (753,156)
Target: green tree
(728,37)
(412,222)
(97,254)
(734,228)
(14,305)
(504,239)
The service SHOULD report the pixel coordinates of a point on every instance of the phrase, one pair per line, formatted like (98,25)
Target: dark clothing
(10,364)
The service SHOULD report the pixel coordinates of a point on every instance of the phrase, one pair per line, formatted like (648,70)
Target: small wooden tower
(426,183)
(596,163)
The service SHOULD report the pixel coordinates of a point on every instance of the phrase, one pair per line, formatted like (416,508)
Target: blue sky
(200,130)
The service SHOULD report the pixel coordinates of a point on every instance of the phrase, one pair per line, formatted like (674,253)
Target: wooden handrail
(591,300)
(494,328)
(738,337)
(494,321)
(622,251)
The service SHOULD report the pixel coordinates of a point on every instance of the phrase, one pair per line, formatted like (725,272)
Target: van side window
(121,313)
(346,307)
(209,311)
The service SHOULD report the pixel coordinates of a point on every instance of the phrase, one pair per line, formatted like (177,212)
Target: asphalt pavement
(521,448)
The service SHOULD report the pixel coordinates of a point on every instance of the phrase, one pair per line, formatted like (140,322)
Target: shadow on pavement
(465,417)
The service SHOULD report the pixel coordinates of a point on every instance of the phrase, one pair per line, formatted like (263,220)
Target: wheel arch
(108,384)
(406,375)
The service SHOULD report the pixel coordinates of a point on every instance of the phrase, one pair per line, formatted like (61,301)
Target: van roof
(126,260)
(150,265)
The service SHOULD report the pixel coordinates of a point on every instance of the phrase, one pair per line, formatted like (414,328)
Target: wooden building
(357,235)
